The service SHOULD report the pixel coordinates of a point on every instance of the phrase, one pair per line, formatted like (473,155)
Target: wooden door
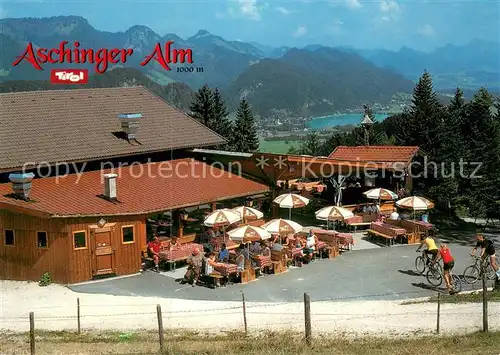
(103,254)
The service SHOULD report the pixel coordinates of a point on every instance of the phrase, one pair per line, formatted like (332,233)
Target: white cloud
(300,31)
(282,10)
(389,6)
(353,4)
(249,9)
(426,30)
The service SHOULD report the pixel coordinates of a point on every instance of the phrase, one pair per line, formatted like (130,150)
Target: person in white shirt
(395,215)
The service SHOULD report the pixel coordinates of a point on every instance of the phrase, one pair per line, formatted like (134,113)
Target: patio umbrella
(291,201)
(415,203)
(248,212)
(380,194)
(248,234)
(333,213)
(280,226)
(223,217)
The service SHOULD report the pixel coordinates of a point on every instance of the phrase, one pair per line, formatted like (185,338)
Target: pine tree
(219,122)
(483,146)
(244,137)
(202,106)
(336,140)
(422,120)
(312,145)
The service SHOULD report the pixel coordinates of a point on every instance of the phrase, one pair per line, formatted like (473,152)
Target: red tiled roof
(375,154)
(82,124)
(162,186)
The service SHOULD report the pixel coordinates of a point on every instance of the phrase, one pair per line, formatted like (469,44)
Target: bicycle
(474,272)
(422,261)
(435,277)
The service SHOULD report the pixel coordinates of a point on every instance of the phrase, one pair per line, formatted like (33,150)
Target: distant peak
(201,33)
(139,28)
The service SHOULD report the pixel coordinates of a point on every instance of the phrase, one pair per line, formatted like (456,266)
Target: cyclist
(432,248)
(448,263)
(487,249)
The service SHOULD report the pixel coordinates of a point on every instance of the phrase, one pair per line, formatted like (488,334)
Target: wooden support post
(214,205)
(244,313)
(485,303)
(32,333)
(438,312)
(160,326)
(78,314)
(307,314)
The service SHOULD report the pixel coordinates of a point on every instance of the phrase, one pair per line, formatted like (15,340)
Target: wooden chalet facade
(89,220)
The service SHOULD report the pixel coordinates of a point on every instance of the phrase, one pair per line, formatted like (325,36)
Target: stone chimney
(21,184)
(110,186)
(130,124)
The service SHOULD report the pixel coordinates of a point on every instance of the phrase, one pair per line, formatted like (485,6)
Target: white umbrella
(415,203)
(248,234)
(291,201)
(248,212)
(333,213)
(223,217)
(380,194)
(279,226)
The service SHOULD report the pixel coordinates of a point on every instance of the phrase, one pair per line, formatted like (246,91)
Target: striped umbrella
(333,213)
(291,201)
(248,212)
(415,203)
(248,234)
(223,217)
(282,226)
(380,194)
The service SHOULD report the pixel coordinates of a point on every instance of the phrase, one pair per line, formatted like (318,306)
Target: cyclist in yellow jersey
(432,249)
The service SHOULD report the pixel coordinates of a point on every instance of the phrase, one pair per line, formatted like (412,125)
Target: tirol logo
(164,55)
(69,76)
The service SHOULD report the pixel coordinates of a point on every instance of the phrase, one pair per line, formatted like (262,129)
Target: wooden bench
(216,279)
(388,238)
(360,224)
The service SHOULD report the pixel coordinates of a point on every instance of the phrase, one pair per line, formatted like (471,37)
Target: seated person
(255,248)
(310,246)
(277,246)
(195,262)
(394,215)
(266,251)
(240,261)
(154,248)
(210,264)
(223,256)
(174,244)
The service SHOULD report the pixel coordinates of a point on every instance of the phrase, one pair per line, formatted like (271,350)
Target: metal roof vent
(130,124)
(21,184)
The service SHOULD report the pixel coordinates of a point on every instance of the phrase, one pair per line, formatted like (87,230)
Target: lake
(340,120)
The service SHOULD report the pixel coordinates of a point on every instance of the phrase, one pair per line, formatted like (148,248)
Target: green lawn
(277,147)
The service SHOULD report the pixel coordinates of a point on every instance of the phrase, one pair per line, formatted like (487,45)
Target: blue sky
(420,24)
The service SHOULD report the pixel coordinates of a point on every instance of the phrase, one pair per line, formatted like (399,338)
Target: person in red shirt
(154,248)
(448,263)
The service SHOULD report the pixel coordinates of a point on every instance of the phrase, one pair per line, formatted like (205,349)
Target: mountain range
(310,80)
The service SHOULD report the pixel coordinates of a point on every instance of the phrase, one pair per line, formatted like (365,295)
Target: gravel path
(55,309)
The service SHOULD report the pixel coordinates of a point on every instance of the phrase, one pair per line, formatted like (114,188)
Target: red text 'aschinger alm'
(103,57)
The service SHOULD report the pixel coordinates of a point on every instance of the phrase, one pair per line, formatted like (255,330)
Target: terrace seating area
(282,252)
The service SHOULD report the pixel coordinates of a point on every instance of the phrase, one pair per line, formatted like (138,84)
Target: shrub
(45,280)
